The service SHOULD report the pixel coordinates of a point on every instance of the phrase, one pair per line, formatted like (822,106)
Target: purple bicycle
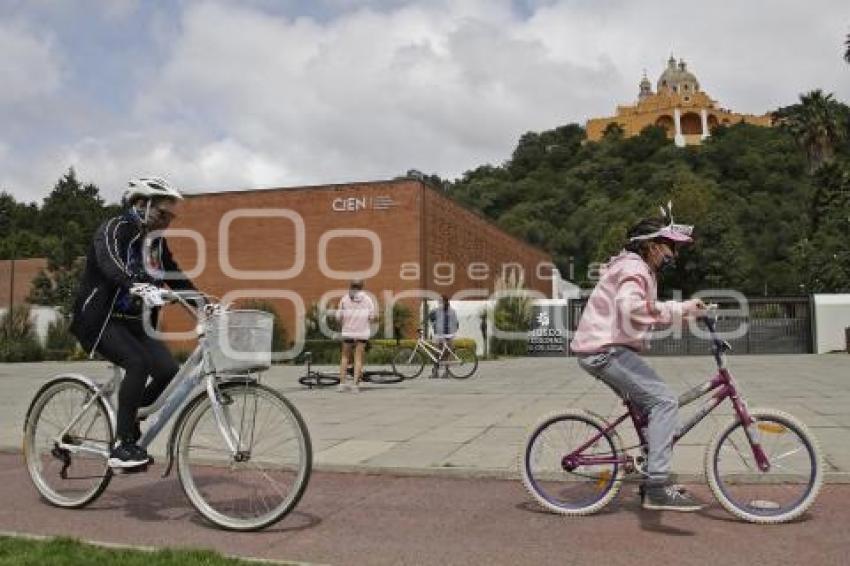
(764,466)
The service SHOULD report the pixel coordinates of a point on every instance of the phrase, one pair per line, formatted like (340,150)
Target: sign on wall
(548,334)
(356,204)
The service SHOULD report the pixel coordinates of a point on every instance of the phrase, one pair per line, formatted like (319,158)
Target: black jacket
(109,270)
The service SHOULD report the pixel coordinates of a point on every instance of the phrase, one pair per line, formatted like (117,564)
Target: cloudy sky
(223,95)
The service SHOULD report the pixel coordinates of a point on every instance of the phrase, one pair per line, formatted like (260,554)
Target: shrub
(18,342)
(60,343)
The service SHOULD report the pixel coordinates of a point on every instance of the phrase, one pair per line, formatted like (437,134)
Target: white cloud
(29,66)
(194,163)
(240,96)
(439,87)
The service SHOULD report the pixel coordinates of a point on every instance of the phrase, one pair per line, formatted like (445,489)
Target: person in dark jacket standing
(445,323)
(107,317)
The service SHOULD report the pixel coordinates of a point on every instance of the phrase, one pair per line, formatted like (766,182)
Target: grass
(70,552)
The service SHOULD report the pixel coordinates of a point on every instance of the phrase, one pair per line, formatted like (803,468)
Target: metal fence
(773,325)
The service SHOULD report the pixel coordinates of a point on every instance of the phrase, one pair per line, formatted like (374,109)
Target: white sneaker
(356,388)
(343,387)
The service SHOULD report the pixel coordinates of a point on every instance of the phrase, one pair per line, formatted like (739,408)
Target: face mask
(353,293)
(668,262)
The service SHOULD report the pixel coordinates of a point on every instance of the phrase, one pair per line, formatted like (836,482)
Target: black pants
(125,344)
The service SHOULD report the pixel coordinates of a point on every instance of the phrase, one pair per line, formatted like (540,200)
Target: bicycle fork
(224,420)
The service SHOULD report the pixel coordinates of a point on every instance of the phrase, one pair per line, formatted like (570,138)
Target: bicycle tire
(769,423)
(603,489)
(464,370)
(226,466)
(382,377)
(35,461)
(408,362)
(318,379)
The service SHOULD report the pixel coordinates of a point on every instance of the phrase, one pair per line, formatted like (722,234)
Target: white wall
(831,317)
(41,317)
(469,318)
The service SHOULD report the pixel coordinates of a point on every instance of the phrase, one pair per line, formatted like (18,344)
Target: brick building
(294,245)
(16,279)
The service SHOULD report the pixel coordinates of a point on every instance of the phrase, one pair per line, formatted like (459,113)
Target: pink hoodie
(622,308)
(355,314)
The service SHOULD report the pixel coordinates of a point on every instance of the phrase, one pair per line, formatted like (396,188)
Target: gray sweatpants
(633,379)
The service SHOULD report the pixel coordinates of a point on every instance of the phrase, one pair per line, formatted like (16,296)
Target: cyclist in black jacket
(107,317)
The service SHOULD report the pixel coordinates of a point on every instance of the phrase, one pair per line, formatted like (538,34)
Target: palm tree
(847,50)
(817,122)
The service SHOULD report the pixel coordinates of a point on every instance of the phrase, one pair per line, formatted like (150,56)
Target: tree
(748,189)
(72,212)
(818,123)
(66,221)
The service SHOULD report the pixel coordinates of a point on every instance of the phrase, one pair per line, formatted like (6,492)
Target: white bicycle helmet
(150,187)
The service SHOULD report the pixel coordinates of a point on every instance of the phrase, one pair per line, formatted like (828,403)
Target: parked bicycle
(763,466)
(460,362)
(314,378)
(242,450)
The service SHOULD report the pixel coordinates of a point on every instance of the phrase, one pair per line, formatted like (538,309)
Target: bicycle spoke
(782,491)
(260,481)
(69,477)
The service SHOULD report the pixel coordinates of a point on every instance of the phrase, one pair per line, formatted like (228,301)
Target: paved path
(363,519)
(476,426)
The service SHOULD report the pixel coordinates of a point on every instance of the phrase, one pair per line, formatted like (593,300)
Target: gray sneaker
(669,498)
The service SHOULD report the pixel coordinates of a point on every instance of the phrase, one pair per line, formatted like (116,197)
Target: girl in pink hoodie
(356,313)
(614,328)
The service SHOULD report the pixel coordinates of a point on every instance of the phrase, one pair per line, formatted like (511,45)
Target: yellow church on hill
(678,105)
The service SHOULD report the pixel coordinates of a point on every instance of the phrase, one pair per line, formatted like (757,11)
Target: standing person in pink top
(614,329)
(356,313)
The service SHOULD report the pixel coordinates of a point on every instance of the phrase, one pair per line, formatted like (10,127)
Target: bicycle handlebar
(183,297)
(718,346)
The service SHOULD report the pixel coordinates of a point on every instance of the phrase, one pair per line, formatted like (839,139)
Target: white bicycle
(460,362)
(242,450)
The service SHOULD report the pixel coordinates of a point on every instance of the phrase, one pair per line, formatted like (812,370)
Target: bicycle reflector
(604,478)
(772,428)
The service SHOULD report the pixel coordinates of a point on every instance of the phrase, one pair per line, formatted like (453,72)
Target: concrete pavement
(476,427)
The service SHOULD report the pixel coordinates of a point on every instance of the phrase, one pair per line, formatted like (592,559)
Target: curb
(452,472)
(151,549)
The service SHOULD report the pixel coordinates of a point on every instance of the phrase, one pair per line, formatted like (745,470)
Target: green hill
(765,224)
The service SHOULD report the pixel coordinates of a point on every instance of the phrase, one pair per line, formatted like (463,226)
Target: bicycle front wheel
(786,489)
(266,477)
(70,469)
(408,362)
(463,364)
(570,489)
(382,377)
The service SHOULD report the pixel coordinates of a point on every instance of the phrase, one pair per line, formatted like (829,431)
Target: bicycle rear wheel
(463,364)
(782,493)
(76,473)
(318,379)
(565,490)
(408,362)
(267,476)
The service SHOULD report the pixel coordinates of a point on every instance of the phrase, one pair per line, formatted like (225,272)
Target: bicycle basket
(240,341)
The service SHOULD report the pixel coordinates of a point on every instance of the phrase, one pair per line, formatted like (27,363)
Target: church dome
(677,78)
